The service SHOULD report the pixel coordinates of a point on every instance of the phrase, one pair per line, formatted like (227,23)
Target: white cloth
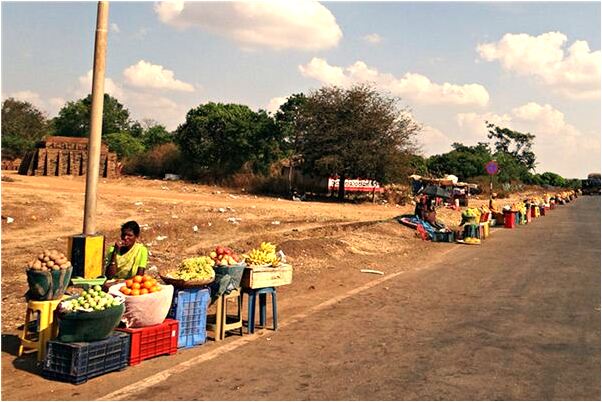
(145,310)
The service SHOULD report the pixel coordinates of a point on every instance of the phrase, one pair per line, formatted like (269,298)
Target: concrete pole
(94,141)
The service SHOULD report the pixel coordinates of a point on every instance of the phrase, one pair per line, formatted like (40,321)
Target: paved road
(517,318)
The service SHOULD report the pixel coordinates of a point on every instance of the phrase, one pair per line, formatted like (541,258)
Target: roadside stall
(80,332)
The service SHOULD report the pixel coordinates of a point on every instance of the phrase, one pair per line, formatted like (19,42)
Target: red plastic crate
(156,340)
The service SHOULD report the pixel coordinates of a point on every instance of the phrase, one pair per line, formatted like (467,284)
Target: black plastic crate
(445,237)
(77,362)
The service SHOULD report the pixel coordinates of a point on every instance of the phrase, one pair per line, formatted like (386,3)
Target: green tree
(287,118)
(355,132)
(462,161)
(22,126)
(553,179)
(73,119)
(514,143)
(220,138)
(510,168)
(124,144)
(154,134)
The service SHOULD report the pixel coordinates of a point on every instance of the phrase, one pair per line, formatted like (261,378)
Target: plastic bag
(145,310)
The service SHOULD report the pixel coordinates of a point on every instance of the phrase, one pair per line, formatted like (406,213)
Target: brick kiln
(58,156)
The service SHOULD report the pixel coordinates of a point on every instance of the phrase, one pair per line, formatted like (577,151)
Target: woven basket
(183,284)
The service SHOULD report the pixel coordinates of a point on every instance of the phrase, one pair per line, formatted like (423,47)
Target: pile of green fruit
(91,300)
(196,268)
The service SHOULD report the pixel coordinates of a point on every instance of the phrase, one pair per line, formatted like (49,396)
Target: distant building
(59,156)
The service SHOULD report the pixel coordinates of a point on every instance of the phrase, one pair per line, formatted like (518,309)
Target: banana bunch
(268,247)
(264,255)
(197,268)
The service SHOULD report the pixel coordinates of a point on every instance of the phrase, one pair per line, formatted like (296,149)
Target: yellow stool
(485,229)
(223,321)
(46,328)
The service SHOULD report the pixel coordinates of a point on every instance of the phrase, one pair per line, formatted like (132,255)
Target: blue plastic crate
(77,362)
(444,237)
(189,307)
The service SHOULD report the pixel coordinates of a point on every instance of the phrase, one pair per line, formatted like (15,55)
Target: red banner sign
(359,185)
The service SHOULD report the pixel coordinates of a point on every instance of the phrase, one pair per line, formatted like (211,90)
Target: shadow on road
(27,362)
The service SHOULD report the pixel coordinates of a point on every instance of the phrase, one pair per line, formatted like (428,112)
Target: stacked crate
(189,307)
(77,362)
(151,341)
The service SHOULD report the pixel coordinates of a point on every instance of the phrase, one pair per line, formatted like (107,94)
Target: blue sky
(529,66)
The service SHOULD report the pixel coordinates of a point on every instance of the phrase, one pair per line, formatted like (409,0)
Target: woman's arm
(111,268)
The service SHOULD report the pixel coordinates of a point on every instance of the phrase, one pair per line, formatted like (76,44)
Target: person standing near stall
(128,257)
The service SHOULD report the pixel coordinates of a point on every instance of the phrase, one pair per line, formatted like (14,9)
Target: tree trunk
(341,188)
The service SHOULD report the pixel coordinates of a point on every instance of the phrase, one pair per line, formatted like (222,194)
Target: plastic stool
(46,328)
(223,321)
(472,230)
(262,293)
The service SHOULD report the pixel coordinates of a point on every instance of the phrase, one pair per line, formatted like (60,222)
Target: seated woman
(127,258)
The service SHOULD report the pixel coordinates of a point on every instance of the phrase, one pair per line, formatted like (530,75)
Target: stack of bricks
(58,156)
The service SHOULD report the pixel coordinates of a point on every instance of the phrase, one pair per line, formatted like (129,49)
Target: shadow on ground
(27,362)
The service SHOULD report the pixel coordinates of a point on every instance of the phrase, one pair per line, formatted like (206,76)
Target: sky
(529,66)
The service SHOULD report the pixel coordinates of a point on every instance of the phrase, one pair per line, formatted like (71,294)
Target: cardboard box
(263,277)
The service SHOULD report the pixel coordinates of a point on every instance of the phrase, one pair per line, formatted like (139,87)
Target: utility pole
(87,249)
(94,141)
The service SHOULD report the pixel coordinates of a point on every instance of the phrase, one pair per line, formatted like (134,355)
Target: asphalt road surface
(517,318)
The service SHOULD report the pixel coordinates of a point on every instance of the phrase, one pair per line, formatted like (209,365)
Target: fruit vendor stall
(79,329)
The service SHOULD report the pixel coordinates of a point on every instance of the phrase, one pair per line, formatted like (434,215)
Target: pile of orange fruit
(140,285)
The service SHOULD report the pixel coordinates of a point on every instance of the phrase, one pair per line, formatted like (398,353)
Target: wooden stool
(224,322)
(46,328)
(262,292)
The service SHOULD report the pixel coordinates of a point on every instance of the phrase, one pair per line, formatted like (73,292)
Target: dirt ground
(313,235)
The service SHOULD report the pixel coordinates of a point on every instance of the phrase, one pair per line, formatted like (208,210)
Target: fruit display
(140,285)
(519,207)
(91,300)
(264,255)
(472,240)
(224,256)
(196,268)
(471,213)
(49,260)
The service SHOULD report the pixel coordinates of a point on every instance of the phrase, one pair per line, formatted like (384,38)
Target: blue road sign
(491,167)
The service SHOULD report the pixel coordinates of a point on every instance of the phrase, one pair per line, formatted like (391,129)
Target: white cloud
(159,108)
(412,86)
(275,103)
(320,70)
(141,103)
(292,24)
(559,146)
(373,38)
(27,96)
(50,106)
(115,28)
(574,73)
(85,86)
(433,141)
(54,105)
(147,75)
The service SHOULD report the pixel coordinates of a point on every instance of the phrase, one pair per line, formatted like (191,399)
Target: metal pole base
(87,255)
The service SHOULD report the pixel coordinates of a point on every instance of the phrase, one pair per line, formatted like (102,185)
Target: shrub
(156,162)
